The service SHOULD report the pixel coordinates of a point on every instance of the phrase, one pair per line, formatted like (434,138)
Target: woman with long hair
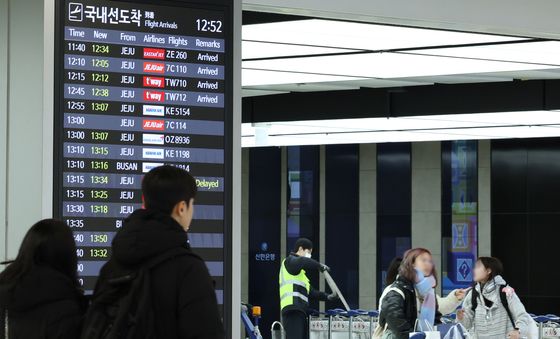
(393,271)
(39,290)
(411,300)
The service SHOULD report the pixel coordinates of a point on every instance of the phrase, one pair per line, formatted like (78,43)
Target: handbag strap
(428,326)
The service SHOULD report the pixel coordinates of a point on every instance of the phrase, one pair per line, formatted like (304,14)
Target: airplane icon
(75,11)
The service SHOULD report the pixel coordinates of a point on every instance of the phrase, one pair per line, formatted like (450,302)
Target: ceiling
(323,55)
(297,54)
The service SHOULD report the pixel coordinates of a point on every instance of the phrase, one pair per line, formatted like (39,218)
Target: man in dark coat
(184,299)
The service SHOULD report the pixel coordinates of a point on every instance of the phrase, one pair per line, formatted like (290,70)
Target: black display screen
(139,85)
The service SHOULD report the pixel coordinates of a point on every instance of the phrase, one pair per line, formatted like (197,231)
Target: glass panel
(460,213)
(302,216)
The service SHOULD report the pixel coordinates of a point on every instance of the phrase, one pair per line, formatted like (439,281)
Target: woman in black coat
(39,290)
(412,296)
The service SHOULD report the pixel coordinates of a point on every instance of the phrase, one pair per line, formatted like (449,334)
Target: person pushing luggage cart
(295,289)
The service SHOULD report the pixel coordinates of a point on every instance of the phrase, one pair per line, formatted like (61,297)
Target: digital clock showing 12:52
(212,26)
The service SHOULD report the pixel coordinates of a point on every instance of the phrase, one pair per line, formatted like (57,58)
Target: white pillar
(245,226)
(4,45)
(236,177)
(368,227)
(322,218)
(24,142)
(283,202)
(426,199)
(484,194)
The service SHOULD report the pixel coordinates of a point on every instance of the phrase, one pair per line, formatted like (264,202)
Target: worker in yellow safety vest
(296,289)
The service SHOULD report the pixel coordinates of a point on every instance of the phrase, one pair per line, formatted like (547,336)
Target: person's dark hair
(304,243)
(393,270)
(49,243)
(407,270)
(165,186)
(493,264)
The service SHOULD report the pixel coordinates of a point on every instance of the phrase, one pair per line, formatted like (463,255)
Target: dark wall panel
(543,181)
(394,185)
(264,231)
(509,234)
(509,175)
(394,179)
(544,256)
(525,218)
(342,219)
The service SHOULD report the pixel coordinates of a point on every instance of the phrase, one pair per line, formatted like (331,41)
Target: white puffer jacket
(493,322)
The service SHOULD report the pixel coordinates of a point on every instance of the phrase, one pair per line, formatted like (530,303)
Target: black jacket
(294,264)
(184,298)
(44,304)
(400,313)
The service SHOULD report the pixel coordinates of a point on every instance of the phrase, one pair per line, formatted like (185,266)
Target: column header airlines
(144,39)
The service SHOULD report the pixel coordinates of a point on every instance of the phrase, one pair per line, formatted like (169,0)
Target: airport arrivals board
(139,85)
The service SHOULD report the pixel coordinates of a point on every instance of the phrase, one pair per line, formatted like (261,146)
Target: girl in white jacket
(489,319)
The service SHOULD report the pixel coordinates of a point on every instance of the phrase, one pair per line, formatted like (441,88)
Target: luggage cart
(359,324)
(329,325)
(277,331)
(373,322)
(252,329)
(318,325)
(549,326)
(340,324)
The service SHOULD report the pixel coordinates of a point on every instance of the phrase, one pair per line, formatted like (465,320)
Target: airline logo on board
(148,166)
(154,67)
(158,82)
(154,53)
(153,139)
(152,153)
(153,125)
(154,110)
(154,96)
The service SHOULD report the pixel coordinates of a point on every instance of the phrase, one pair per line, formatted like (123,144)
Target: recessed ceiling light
(527,124)
(354,35)
(387,65)
(254,50)
(254,77)
(541,52)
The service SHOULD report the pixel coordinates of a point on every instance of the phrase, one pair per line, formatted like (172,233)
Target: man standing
(295,289)
(181,292)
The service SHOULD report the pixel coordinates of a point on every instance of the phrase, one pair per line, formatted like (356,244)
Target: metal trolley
(277,331)
(549,326)
(341,324)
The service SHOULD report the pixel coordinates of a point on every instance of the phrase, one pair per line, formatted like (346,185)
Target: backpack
(533,330)
(122,307)
(503,300)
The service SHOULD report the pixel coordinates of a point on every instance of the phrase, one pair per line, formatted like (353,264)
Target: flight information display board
(139,85)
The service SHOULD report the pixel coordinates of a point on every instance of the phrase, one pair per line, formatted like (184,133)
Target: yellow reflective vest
(294,289)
